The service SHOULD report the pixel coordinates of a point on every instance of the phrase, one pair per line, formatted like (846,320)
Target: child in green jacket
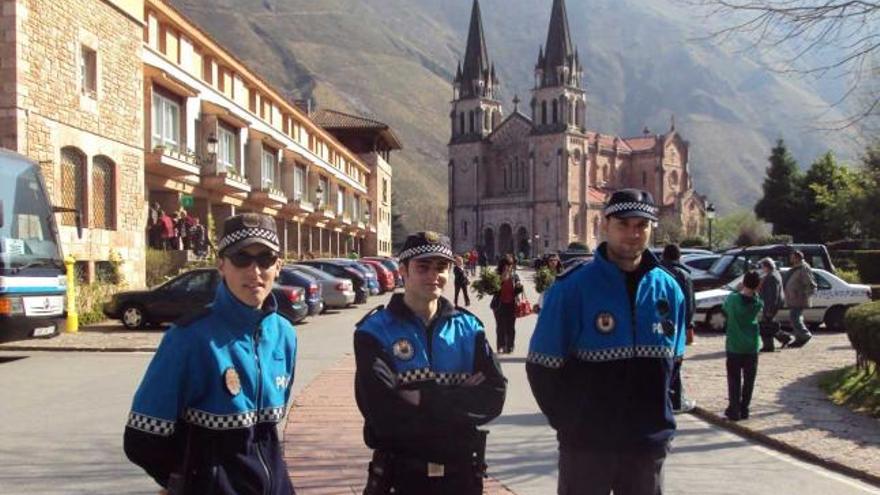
(743,342)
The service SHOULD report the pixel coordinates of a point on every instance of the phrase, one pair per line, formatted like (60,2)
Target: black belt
(420,466)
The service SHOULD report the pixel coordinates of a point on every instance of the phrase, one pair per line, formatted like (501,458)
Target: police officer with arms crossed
(601,358)
(426,378)
(204,417)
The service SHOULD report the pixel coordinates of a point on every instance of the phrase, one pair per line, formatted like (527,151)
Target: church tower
(475,109)
(474,115)
(559,101)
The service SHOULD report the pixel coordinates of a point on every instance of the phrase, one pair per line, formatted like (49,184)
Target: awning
(224,114)
(169,82)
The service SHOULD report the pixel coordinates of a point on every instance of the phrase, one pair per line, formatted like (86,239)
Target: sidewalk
(323,441)
(108,336)
(789,411)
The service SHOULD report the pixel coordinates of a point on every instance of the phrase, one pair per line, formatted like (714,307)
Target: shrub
(694,242)
(160,266)
(543,279)
(868,263)
(777,239)
(849,275)
(488,283)
(578,246)
(90,298)
(863,329)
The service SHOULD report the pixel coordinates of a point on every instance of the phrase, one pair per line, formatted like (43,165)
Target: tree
(869,226)
(782,202)
(738,226)
(669,230)
(833,197)
(398,231)
(817,38)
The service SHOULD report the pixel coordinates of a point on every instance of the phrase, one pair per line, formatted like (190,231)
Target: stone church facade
(534,183)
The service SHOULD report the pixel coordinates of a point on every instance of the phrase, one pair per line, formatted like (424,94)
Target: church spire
(476,79)
(559,65)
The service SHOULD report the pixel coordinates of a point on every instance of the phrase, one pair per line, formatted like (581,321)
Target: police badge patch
(233,384)
(605,322)
(403,350)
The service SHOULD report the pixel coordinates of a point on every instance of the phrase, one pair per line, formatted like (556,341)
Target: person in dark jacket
(204,418)
(461,281)
(770,292)
(426,378)
(671,260)
(601,358)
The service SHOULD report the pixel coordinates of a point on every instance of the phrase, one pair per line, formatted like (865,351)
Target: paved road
(62,415)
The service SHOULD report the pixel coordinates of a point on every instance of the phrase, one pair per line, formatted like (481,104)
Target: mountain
(645,60)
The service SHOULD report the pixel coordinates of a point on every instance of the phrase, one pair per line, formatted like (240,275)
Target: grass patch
(856,389)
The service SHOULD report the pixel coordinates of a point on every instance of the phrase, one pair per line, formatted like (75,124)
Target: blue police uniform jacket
(600,363)
(211,398)
(434,359)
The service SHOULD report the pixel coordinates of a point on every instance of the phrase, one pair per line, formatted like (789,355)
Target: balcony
(269,196)
(345,219)
(169,162)
(300,207)
(228,182)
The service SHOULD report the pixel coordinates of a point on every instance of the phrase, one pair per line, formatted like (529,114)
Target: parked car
(186,293)
(385,276)
(658,251)
(734,262)
(336,292)
(833,297)
(311,287)
(392,265)
(569,254)
(357,278)
(368,272)
(700,262)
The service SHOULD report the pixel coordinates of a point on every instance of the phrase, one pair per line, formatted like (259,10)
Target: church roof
(608,141)
(558,47)
(641,143)
(336,120)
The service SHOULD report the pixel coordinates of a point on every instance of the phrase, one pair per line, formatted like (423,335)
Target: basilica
(536,180)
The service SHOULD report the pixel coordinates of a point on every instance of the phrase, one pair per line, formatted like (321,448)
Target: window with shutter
(104,197)
(73,165)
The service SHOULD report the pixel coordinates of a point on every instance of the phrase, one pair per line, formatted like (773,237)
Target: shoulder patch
(194,316)
(464,311)
(371,313)
(573,267)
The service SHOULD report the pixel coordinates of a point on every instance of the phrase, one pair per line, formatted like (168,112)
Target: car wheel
(716,319)
(133,317)
(834,318)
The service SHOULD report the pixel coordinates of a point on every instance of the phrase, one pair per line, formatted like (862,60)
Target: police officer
(426,378)
(601,358)
(204,417)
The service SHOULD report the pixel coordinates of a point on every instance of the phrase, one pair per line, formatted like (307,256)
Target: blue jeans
(796,315)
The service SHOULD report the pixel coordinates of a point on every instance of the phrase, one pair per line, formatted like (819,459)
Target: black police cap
(426,245)
(247,229)
(627,203)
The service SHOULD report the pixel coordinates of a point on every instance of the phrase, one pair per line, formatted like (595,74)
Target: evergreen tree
(833,197)
(869,226)
(782,203)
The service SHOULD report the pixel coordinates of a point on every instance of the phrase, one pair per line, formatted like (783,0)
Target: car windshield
(27,238)
(720,266)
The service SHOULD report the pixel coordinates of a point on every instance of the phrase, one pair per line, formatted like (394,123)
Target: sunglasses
(243,260)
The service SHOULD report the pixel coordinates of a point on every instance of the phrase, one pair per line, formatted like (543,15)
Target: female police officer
(426,378)
(204,417)
(601,357)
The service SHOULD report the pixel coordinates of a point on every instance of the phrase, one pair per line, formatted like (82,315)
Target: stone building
(535,183)
(127,103)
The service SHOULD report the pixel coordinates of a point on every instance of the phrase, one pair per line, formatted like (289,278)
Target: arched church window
(461,128)
(471,121)
(544,112)
(555,111)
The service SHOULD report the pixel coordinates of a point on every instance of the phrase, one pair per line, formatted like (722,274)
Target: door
(186,294)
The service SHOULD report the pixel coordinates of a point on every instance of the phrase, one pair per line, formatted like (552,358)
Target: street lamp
(367,217)
(319,195)
(211,147)
(710,215)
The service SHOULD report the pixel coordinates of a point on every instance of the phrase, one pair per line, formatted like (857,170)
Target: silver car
(337,292)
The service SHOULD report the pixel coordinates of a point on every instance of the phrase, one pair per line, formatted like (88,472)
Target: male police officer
(426,378)
(601,358)
(204,418)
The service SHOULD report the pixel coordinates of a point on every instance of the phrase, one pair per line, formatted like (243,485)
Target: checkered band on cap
(248,233)
(545,360)
(426,249)
(148,424)
(630,206)
(599,355)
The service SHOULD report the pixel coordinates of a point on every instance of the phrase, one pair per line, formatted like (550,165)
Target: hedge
(863,329)
(866,261)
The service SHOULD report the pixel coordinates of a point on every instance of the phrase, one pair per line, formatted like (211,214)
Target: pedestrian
(770,291)
(483,260)
(742,343)
(800,286)
(601,358)
(671,260)
(472,262)
(460,279)
(426,379)
(205,417)
(503,305)
(166,234)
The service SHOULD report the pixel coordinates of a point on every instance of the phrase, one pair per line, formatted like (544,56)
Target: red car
(386,277)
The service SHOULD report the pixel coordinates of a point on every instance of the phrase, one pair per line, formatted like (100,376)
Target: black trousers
(594,472)
(464,290)
(675,386)
(505,326)
(407,479)
(741,372)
